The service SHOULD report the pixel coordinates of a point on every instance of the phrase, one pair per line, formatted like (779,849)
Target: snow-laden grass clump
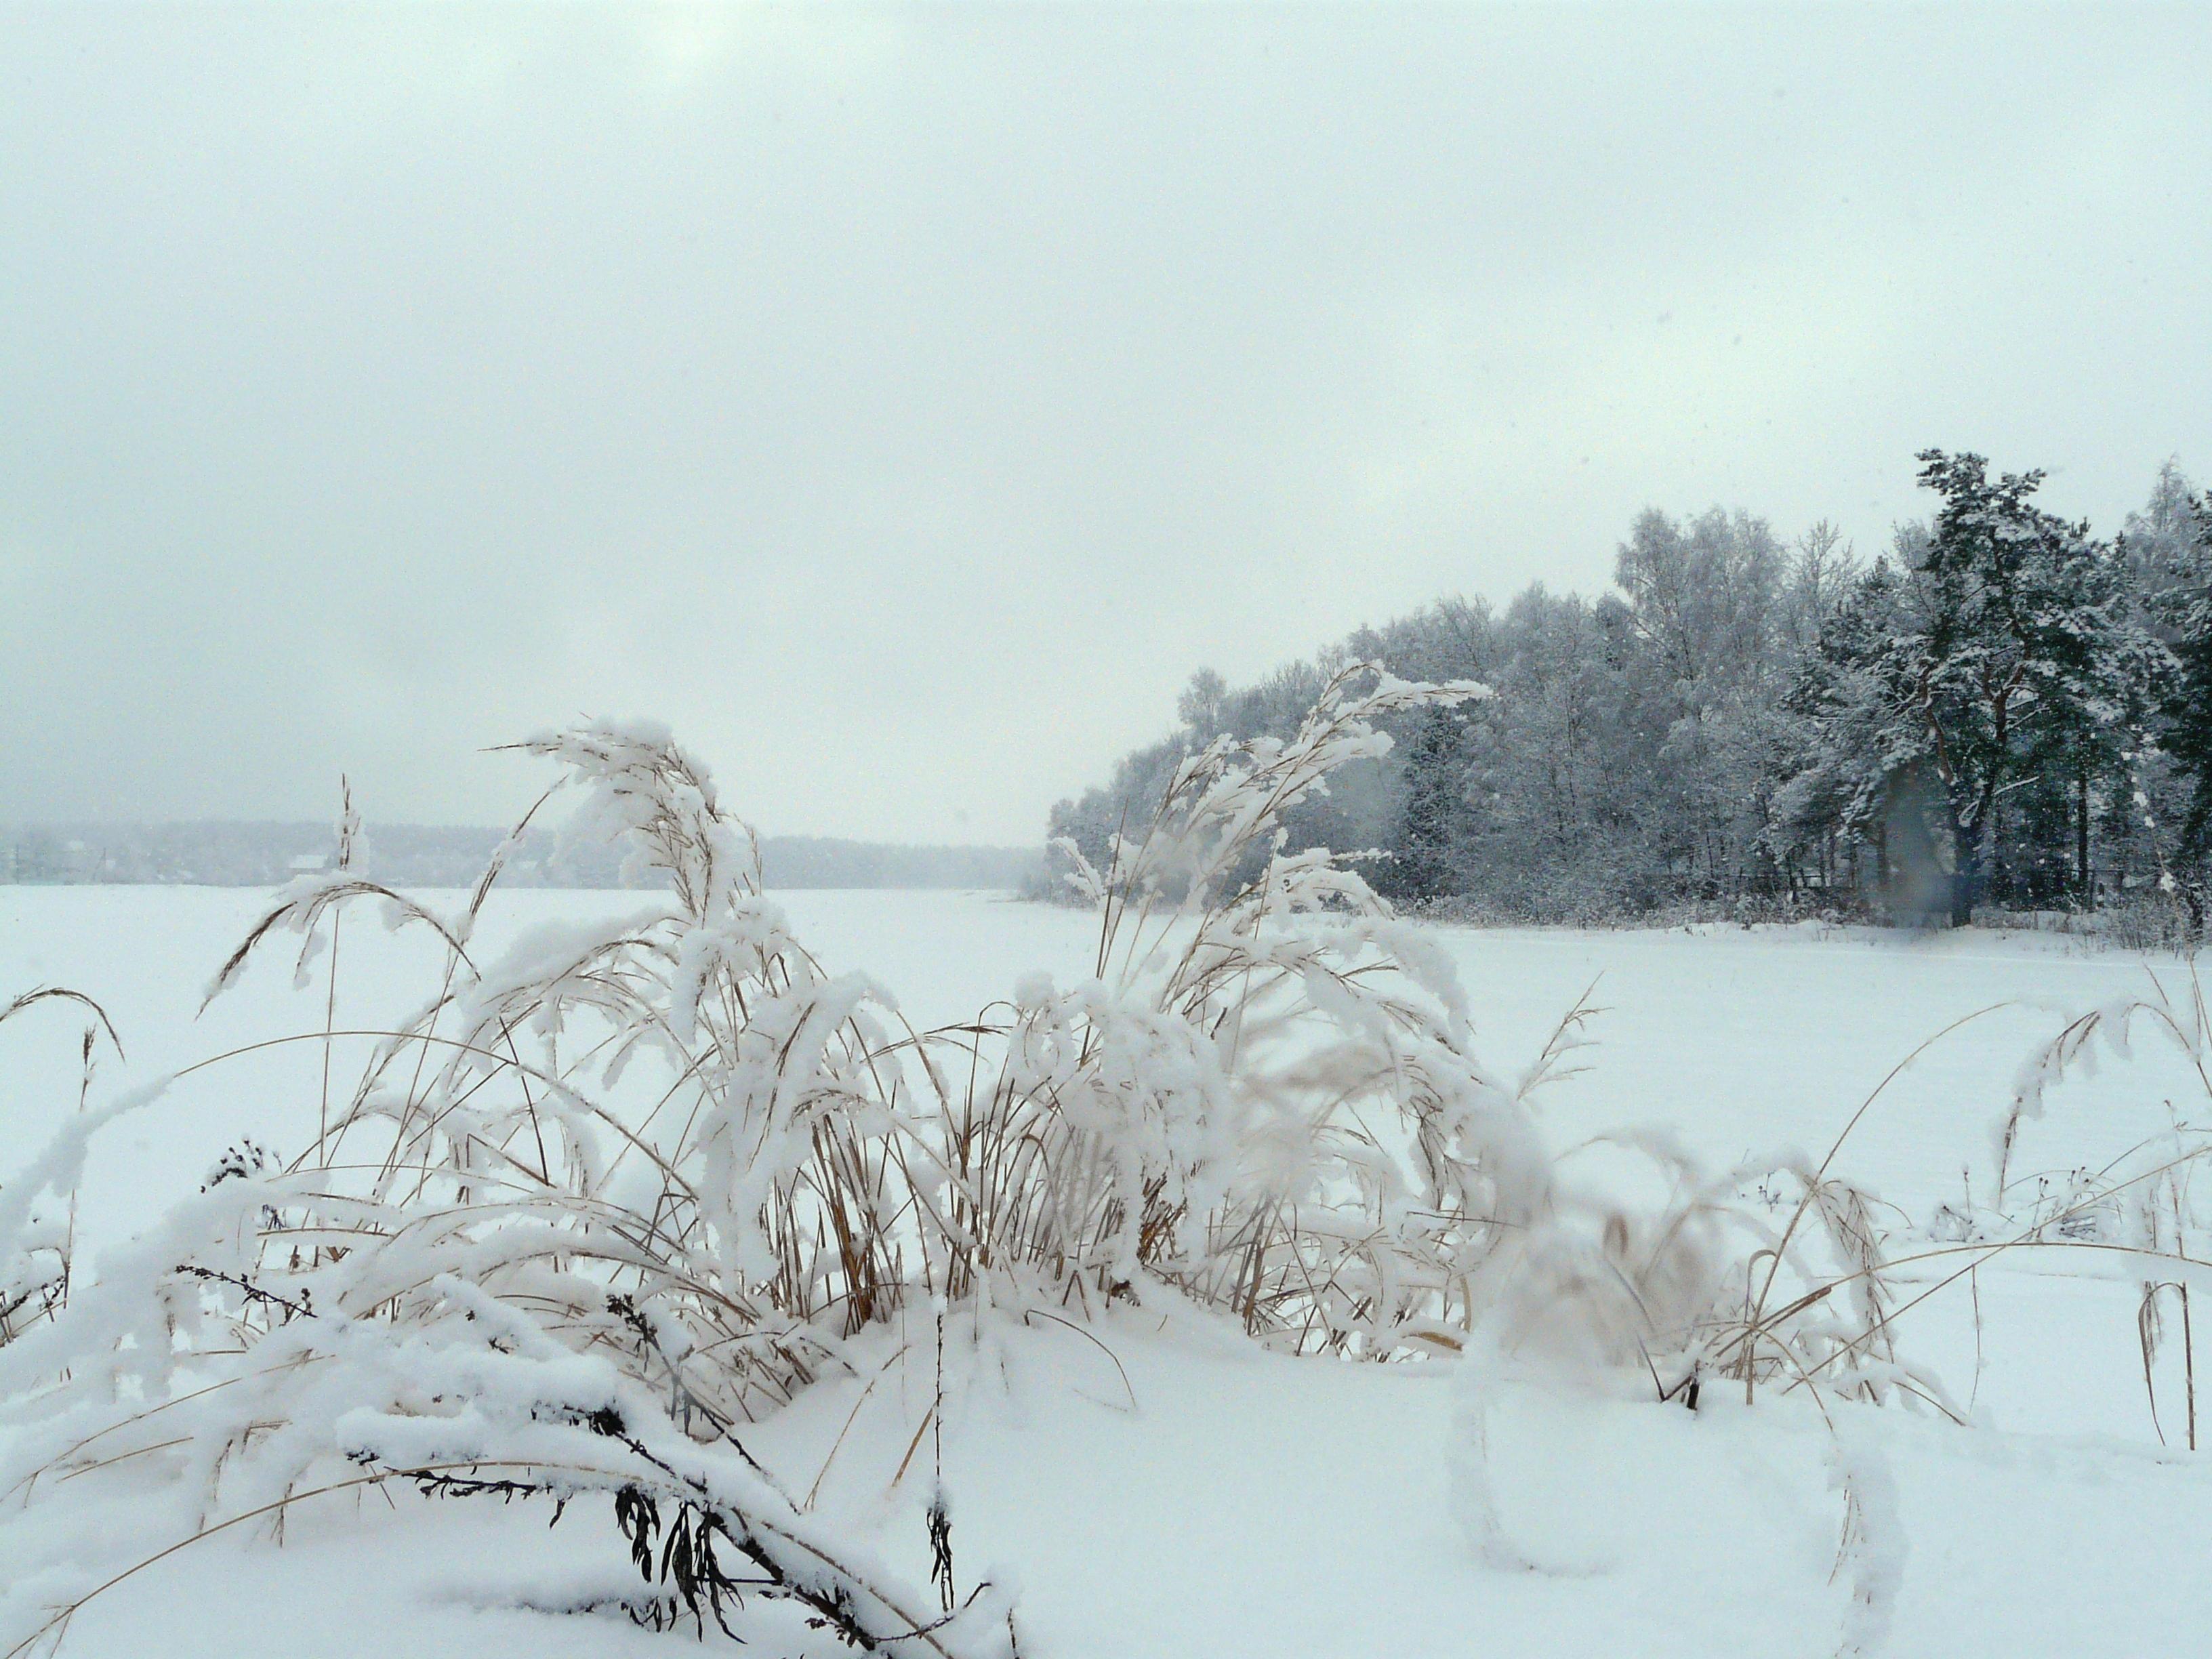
(609,1206)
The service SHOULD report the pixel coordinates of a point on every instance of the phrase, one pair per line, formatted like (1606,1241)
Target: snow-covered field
(1156,1485)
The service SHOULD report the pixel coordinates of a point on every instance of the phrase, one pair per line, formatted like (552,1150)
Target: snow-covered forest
(1999,709)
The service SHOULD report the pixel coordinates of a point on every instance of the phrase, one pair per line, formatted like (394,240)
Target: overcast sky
(902,404)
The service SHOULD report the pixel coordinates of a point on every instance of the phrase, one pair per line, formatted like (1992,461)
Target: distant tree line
(414,855)
(2002,708)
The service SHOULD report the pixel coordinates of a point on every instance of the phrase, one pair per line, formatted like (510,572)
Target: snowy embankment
(1155,1484)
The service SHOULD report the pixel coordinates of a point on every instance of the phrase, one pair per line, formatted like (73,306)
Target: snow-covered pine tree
(2188,726)
(1996,654)
(1432,819)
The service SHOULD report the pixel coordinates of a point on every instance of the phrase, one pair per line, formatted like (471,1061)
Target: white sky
(901,405)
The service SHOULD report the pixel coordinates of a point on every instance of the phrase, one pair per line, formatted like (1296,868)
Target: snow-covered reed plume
(36,1256)
(496,1267)
(2142,1207)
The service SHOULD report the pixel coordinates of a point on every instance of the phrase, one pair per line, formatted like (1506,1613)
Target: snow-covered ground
(1166,1488)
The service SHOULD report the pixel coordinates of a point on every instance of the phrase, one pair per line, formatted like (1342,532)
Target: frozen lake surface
(1176,1492)
(1741,1040)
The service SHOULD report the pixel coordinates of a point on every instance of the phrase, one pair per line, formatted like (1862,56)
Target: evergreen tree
(2035,672)
(1996,657)
(2188,736)
(2026,664)
(1423,865)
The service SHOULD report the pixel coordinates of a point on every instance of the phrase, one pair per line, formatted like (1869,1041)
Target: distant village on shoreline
(238,854)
